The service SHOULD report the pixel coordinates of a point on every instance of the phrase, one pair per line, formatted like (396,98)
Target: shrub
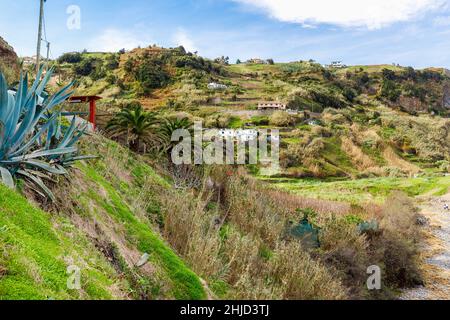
(70,57)
(281,119)
(390,90)
(85,67)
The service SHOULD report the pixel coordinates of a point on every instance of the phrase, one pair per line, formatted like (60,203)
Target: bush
(70,57)
(349,94)
(85,67)
(150,73)
(281,119)
(327,99)
(390,90)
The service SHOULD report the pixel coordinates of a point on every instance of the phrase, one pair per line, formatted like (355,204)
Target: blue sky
(408,32)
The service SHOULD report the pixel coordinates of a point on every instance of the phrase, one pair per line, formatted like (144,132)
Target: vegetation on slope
(98,226)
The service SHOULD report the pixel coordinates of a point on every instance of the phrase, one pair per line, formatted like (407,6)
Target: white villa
(271,106)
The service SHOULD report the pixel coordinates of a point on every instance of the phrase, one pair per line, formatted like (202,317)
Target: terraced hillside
(355,122)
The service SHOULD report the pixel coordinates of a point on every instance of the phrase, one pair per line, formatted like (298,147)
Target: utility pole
(38,52)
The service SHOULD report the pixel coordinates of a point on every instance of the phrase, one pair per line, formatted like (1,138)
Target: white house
(246,135)
(271,106)
(241,135)
(216,86)
(337,64)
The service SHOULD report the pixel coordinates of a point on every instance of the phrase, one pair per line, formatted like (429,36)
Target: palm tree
(168,127)
(136,124)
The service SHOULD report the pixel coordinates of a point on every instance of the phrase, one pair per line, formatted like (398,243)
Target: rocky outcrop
(9,62)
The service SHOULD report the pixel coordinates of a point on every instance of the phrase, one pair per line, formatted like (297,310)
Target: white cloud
(111,40)
(182,38)
(442,21)
(371,14)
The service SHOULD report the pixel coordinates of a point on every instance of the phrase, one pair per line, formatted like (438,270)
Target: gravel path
(435,252)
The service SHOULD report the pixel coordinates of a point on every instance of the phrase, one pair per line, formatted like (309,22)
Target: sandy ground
(435,252)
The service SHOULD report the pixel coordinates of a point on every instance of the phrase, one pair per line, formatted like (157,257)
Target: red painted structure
(92,105)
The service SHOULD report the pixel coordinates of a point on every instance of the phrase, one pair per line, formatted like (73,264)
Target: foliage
(168,127)
(390,90)
(32,143)
(136,124)
(70,57)
(85,67)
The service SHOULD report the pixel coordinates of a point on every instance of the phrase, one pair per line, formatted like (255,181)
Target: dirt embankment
(9,61)
(435,252)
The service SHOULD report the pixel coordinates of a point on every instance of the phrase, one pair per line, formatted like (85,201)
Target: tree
(238,61)
(136,125)
(168,127)
(270,61)
(70,57)
(85,67)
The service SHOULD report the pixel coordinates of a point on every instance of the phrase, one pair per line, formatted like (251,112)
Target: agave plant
(33,142)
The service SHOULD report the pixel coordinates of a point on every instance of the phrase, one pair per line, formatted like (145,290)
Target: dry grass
(395,161)
(358,157)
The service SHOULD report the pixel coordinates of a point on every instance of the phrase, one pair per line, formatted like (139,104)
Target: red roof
(78,99)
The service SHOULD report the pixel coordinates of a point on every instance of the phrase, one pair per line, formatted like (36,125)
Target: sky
(408,32)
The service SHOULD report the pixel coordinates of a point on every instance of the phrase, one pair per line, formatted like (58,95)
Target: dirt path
(435,252)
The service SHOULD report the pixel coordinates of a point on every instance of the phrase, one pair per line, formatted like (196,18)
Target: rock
(143,260)
(422,221)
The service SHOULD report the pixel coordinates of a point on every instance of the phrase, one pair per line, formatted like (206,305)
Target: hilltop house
(256,61)
(271,106)
(216,86)
(337,64)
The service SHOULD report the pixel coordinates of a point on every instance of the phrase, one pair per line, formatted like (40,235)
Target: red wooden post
(92,112)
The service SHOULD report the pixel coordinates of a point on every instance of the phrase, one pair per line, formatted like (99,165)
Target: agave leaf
(38,182)
(45,166)
(68,134)
(34,86)
(78,136)
(7,178)
(4,97)
(50,133)
(2,136)
(19,96)
(44,82)
(34,139)
(45,153)
(79,158)
(25,126)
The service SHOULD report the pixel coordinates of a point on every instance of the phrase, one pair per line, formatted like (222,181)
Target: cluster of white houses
(242,135)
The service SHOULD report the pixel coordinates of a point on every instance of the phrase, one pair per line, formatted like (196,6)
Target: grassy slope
(37,247)
(35,250)
(363,190)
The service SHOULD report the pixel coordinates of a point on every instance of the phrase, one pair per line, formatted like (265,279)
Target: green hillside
(357,144)
(97,226)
